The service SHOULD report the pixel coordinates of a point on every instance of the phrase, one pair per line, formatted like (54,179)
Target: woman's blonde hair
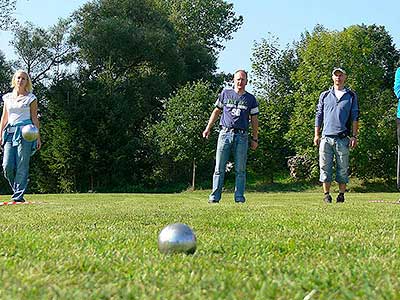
(28,86)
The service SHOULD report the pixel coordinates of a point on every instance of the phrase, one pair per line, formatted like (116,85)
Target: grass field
(276,246)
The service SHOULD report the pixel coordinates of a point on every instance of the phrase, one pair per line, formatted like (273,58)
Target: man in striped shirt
(238,108)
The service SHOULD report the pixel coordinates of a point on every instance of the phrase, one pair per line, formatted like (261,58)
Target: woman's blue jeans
(229,141)
(16,165)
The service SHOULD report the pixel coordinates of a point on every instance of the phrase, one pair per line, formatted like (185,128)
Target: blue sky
(285,19)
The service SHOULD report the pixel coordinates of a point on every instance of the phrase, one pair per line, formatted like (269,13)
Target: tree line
(126,88)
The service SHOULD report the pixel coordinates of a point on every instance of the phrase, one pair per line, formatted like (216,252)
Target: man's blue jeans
(330,148)
(16,166)
(229,141)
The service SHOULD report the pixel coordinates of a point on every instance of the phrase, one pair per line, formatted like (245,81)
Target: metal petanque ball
(30,133)
(177,238)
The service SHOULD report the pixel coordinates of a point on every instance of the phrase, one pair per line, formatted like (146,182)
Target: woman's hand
(38,143)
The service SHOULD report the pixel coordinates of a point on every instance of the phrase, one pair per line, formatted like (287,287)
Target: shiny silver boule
(177,238)
(30,133)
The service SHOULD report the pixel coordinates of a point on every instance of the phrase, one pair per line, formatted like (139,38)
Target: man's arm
(317,131)
(355,114)
(254,129)
(214,116)
(354,136)
(319,116)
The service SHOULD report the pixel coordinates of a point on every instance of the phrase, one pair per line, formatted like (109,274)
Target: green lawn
(276,246)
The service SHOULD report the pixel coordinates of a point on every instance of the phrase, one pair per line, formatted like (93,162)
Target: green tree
(59,165)
(201,26)
(5,74)
(129,60)
(127,63)
(100,128)
(130,56)
(369,56)
(179,134)
(7,7)
(210,22)
(272,68)
(124,37)
(42,52)
(5,86)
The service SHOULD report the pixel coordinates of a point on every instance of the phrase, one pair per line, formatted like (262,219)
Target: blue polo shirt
(333,113)
(396,89)
(236,109)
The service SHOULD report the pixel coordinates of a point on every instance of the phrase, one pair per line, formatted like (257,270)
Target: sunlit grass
(276,246)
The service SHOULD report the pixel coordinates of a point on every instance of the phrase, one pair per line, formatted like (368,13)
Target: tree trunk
(194,174)
(91,184)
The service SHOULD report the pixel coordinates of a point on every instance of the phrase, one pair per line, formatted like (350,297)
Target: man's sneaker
(340,198)
(18,200)
(213,201)
(327,198)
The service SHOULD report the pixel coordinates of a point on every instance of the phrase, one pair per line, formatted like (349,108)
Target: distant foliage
(179,133)
(273,87)
(7,19)
(301,166)
(128,58)
(206,22)
(369,57)
(5,75)
(43,52)
(125,88)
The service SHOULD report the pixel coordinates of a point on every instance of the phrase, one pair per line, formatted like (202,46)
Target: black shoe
(328,198)
(340,198)
(18,200)
(240,201)
(213,201)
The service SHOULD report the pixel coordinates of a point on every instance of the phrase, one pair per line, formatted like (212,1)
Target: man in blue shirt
(337,112)
(238,107)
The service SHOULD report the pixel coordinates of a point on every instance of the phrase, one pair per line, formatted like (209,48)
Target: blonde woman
(20,109)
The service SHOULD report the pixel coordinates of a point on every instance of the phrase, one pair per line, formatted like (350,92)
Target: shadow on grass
(278,186)
(284,187)
(376,186)
(355,185)
(282,184)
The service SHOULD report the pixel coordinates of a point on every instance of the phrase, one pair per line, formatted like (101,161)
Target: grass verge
(276,246)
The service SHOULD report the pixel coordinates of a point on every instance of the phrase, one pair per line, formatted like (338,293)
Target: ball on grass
(177,238)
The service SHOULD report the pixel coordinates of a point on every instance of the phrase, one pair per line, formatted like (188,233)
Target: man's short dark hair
(240,70)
